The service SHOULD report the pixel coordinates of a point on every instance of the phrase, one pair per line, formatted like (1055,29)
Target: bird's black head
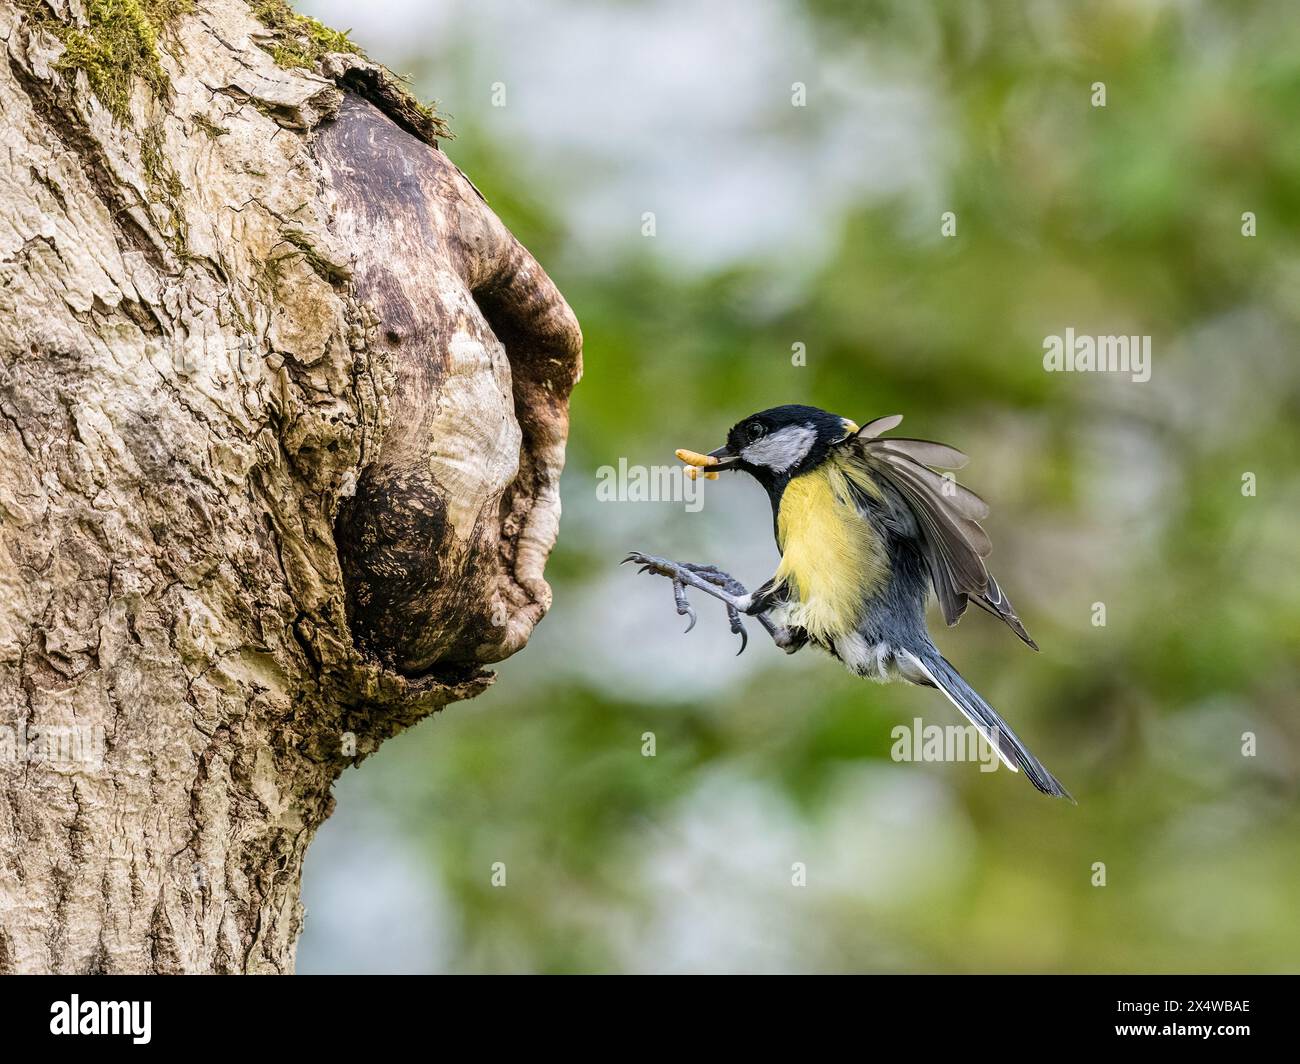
(777,444)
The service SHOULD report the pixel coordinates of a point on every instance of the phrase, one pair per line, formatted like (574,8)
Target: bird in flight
(866,528)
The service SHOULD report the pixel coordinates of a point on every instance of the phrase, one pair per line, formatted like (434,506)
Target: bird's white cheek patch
(782,450)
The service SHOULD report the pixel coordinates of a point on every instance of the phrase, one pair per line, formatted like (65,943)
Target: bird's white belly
(875,661)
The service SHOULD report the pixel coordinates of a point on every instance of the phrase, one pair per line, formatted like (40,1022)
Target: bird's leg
(722,586)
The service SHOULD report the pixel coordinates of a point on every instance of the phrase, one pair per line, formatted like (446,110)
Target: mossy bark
(274,483)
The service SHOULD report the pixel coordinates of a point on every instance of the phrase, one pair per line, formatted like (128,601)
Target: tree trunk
(282,415)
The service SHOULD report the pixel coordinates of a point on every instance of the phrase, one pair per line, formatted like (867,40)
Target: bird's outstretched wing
(946,517)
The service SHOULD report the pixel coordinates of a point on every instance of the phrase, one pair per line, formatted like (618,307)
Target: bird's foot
(707,578)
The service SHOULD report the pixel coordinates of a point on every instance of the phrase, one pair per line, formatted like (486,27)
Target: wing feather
(927,452)
(879,425)
(951,540)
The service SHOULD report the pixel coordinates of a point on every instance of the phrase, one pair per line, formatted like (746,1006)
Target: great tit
(865,528)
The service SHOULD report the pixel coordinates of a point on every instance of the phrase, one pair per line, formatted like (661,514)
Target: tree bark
(282,417)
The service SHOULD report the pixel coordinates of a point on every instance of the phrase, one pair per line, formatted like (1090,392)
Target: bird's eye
(754,432)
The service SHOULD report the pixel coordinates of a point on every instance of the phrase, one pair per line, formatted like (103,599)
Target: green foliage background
(1123,219)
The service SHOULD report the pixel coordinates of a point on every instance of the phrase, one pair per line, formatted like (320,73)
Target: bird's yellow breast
(831,558)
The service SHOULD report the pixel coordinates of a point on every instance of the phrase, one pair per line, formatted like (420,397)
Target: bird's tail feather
(1014,754)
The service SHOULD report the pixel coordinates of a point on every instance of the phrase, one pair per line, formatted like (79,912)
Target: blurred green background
(820,225)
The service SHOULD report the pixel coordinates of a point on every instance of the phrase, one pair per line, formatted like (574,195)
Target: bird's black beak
(725,458)
(709,464)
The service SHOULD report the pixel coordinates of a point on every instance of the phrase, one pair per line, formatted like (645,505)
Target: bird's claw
(651,564)
(738,627)
(684,608)
(711,574)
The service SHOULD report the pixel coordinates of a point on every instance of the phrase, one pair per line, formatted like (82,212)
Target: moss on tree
(117,44)
(300,41)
